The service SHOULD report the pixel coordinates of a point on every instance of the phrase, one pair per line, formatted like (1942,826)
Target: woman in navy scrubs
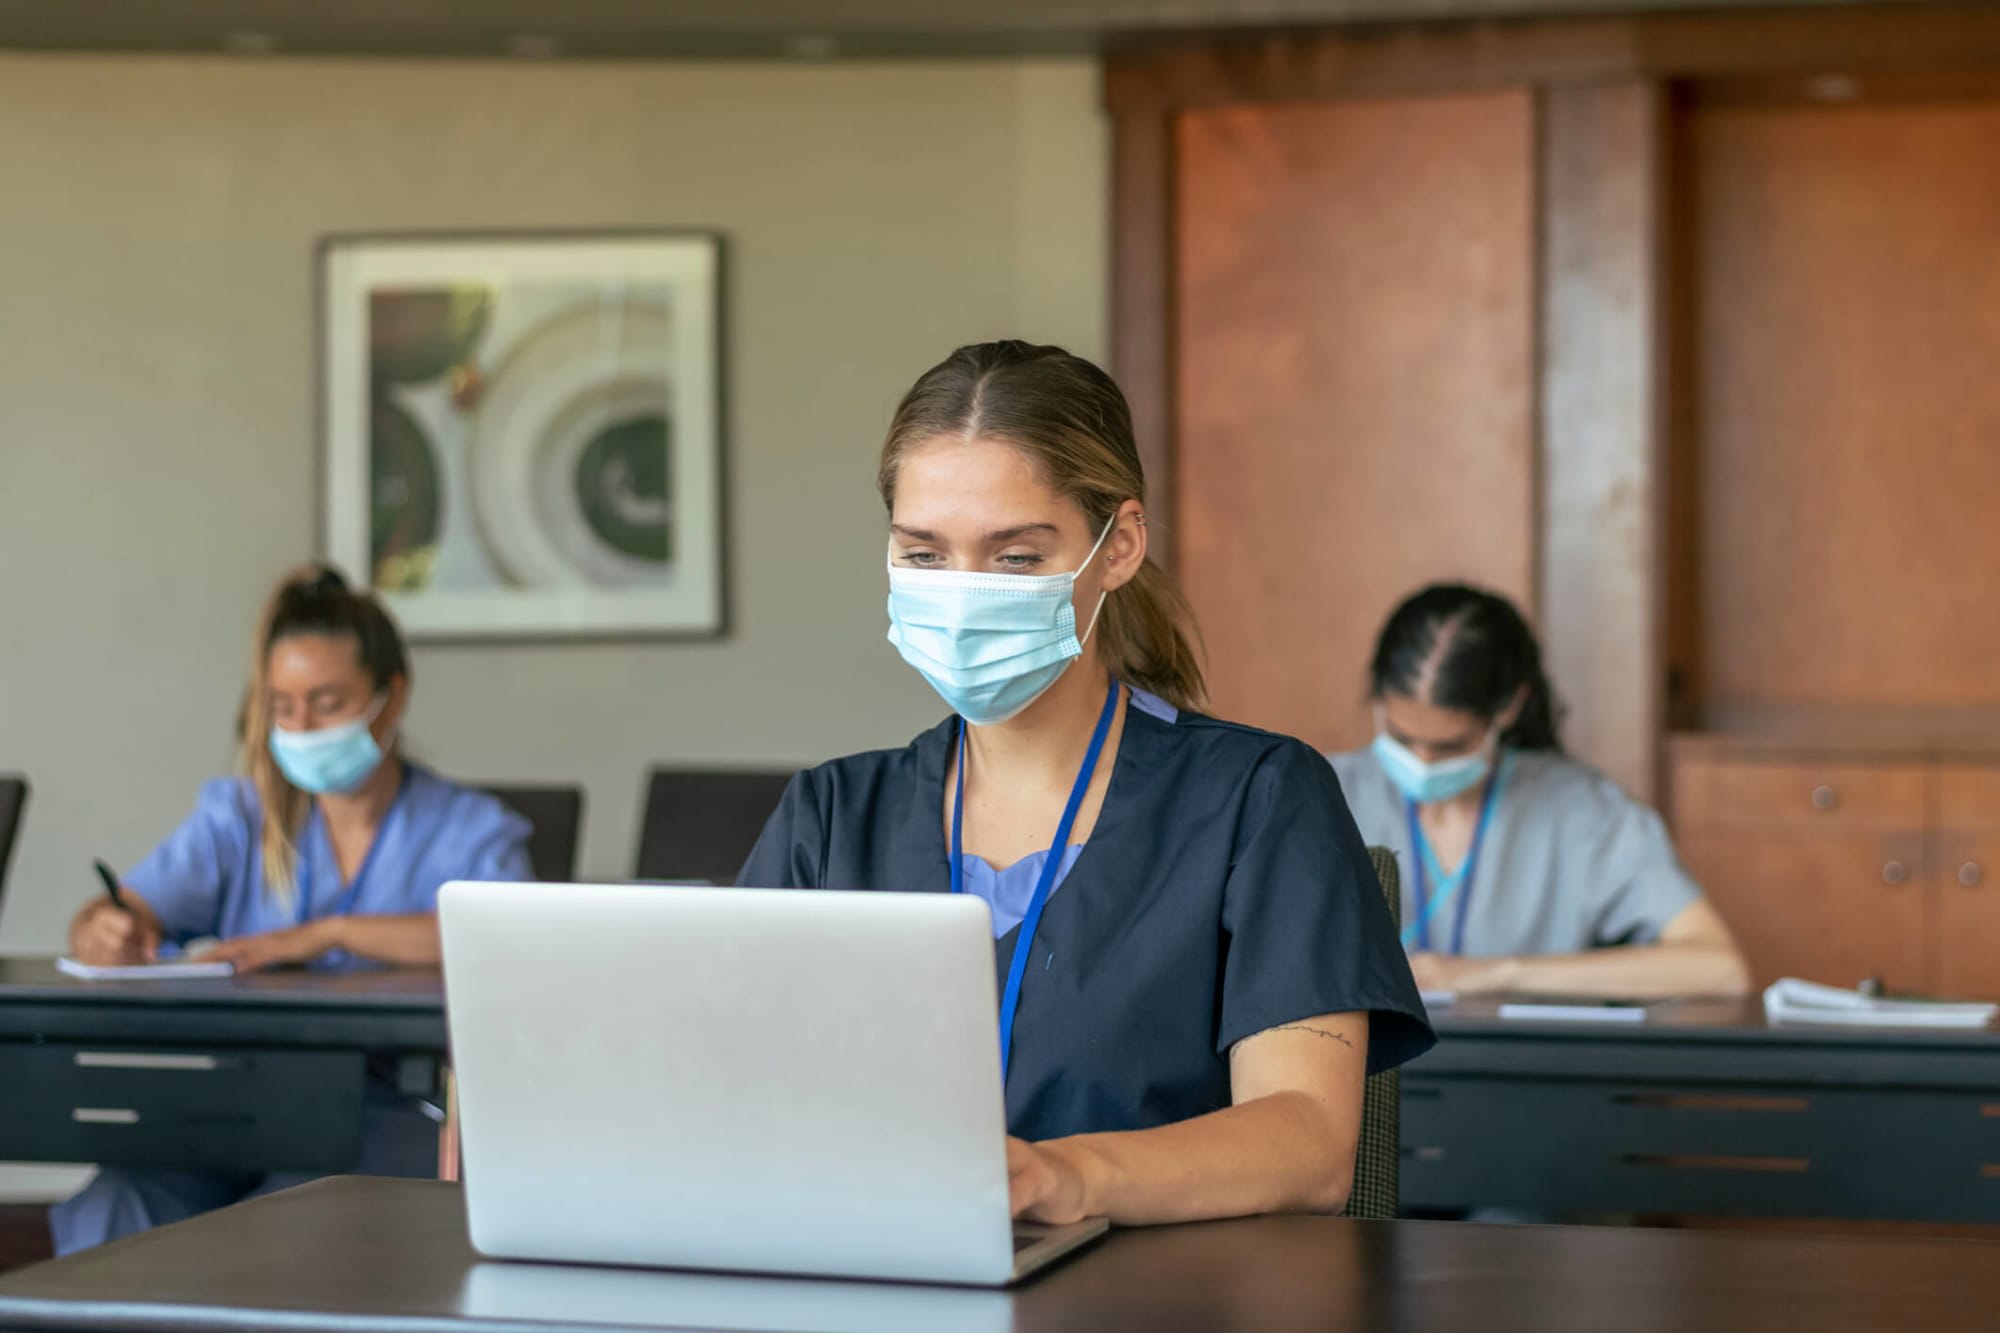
(1198,969)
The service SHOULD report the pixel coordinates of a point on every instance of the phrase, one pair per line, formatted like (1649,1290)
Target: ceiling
(651,29)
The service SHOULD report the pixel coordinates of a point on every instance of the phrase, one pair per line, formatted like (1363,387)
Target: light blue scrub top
(1569,863)
(207,878)
(1009,891)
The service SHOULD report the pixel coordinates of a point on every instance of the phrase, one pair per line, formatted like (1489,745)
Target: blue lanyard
(1010,998)
(1419,931)
(304,873)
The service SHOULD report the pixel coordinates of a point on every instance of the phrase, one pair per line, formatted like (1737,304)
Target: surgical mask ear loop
(1098,610)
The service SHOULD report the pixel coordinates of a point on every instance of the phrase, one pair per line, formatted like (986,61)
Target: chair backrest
(1378,1160)
(557,816)
(702,823)
(13,802)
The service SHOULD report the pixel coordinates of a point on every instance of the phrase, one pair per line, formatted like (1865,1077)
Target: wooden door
(1965,880)
(1353,373)
(1817,865)
(1843,402)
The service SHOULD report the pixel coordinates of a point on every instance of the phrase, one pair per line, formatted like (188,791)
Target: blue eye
(1019,563)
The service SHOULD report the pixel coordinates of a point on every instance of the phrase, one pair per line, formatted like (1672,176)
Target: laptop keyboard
(1023,1239)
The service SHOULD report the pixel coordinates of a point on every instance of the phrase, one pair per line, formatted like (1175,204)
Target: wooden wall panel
(1602,461)
(1395,59)
(1354,382)
(1142,293)
(1846,404)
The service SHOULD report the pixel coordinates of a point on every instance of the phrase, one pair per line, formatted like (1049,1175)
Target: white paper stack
(1790,1000)
(182,970)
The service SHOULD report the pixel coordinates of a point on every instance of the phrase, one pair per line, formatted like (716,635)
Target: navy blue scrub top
(1223,891)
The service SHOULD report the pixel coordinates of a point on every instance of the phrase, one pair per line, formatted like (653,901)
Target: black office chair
(13,804)
(557,816)
(1378,1159)
(702,823)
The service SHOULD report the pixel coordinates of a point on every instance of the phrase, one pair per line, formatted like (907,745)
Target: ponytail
(1147,637)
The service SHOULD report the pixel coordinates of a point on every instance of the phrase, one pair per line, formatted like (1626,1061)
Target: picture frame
(521,434)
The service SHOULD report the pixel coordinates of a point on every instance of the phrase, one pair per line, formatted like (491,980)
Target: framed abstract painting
(521,435)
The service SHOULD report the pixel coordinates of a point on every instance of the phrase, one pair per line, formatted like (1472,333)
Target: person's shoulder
(1569,786)
(228,800)
(1355,768)
(456,803)
(866,769)
(1220,745)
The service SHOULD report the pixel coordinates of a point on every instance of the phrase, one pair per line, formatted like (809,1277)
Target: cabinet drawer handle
(1971,875)
(194,1064)
(104,1115)
(1824,797)
(1894,873)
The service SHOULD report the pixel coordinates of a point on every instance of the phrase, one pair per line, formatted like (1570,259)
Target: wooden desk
(1704,1109)
(264,1072)
(381,1255)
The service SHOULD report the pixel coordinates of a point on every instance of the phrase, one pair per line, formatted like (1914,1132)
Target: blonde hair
(1072,422)
(312,599)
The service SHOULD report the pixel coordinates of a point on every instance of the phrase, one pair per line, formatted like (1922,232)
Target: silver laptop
(751,1080)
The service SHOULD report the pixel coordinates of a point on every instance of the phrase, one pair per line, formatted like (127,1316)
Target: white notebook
(179,969)
(1790,1000)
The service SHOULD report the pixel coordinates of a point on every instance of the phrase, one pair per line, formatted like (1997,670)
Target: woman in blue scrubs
(1523,870)
(328,853)
(1197,968)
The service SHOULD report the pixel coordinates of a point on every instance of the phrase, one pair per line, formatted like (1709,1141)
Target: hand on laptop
(1046,1182)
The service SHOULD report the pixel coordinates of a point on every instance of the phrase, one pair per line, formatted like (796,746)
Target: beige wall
(156,392)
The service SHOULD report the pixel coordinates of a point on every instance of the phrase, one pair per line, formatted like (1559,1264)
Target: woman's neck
(1045,743)
(363,809)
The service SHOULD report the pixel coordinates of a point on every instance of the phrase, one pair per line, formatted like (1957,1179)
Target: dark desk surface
(388,1009)
(351,1254)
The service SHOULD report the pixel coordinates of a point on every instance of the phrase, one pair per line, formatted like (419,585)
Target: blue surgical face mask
(1428,783)
(989,644)
(330,761)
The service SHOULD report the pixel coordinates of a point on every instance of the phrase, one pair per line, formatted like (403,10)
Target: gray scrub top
(1570,861)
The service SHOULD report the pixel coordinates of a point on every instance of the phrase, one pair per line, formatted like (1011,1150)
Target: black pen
(110,878)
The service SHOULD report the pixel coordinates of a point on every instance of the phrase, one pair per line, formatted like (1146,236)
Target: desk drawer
(211,1108)
(1802,793)
(1559,1145)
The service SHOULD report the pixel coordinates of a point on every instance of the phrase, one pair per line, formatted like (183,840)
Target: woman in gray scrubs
(1522,869)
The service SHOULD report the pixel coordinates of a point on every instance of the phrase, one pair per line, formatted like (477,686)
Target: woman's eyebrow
(1002,535)
(1025,529)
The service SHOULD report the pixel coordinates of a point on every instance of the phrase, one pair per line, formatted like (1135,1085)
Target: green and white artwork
(521,435)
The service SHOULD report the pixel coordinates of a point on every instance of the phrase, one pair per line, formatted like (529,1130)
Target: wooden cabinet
(1842,866)
(1965,874)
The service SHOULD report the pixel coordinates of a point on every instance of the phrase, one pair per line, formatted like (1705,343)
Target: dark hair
(1073,424)
(1472,652)
(313,599)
